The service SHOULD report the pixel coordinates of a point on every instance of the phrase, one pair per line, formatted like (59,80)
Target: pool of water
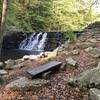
(16,53)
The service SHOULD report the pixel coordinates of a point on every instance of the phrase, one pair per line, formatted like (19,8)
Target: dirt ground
(58,89)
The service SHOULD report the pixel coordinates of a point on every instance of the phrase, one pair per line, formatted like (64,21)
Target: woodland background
(50,15)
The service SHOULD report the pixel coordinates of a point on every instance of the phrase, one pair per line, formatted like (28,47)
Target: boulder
(93,40)
(67,52)
(39,82)
(89,78)
(15,66)
(30,57)
(3,72)
(1,64)
(94,52)
(71,61)
(75,52)
(85,45)
(66,44)
(10,63)
(50,55)
(43,55)
(17,61)
(24,83)
(3,75)
(60,49)
(20,84)
(88,49)
(94,94)
(20,65)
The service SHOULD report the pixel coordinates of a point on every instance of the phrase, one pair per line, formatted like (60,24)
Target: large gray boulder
(14,64)
(88,78)
(9,63)
(21,83)
(24,83)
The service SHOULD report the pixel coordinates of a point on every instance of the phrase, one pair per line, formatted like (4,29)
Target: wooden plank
(43,68)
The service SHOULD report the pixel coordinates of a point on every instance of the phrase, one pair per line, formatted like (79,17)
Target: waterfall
(34,42)
(42,42)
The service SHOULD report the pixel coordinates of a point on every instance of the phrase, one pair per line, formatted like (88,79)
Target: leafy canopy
(50,15)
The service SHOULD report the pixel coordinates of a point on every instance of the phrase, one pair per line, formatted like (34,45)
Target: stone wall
(13,40)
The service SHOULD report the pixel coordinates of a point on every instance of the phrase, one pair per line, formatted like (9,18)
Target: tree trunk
(3,18)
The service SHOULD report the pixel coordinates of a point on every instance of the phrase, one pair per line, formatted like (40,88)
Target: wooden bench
(44,68)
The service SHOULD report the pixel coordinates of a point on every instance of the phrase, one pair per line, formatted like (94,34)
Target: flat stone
(94,94)
(75,52)
(21,83)
(85,45)
(24,83)
(3,72)
(71,61)
(94,52)
(88,49)
(93,40)
(39,82)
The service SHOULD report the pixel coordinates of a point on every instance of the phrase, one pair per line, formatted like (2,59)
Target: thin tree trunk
(4,13)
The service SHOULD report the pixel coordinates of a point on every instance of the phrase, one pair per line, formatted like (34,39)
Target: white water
(34,42)
(41,44)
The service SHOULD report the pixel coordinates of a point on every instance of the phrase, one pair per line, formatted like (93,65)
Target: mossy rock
(89,78)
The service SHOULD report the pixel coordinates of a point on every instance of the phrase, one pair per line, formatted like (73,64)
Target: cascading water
(41,44)
(34,42)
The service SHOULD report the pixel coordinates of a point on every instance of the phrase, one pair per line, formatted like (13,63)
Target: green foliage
(71,35)
(50,15)
(30,16)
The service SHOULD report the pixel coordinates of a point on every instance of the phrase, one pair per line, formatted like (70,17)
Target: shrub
(70,35)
